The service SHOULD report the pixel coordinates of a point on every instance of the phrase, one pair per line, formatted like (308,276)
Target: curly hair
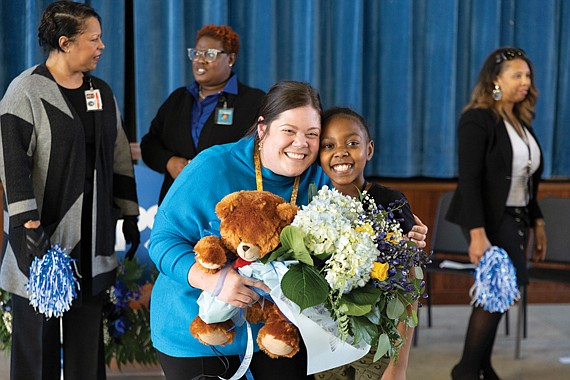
(481,97)
(222,33)
(63,18)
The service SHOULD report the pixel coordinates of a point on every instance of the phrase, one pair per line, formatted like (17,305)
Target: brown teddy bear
(250,224)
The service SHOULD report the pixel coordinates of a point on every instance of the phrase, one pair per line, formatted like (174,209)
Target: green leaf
(395,308)
(375,315)
(353,309)
(383,347)
(413,319)
(294,239)
(360,301)
(280,253)
(366,295)
(364,330)
(303,285)
(419,273)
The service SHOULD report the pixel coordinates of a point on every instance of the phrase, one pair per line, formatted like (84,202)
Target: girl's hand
(418,233)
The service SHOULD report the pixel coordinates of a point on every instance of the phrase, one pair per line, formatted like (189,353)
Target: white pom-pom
(51,285)
(495,287)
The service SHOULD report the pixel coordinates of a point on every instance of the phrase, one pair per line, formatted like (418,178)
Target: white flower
(330,223)
(7,320)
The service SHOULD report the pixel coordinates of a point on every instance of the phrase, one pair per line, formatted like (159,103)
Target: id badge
(224,116)
(93,100)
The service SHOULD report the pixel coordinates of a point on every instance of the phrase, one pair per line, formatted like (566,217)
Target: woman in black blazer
(500,164)
(215,109)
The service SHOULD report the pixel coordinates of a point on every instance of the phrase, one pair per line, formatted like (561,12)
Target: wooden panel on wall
(423,196)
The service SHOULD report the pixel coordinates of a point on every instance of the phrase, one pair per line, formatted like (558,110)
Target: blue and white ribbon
(51,285)
(495,288)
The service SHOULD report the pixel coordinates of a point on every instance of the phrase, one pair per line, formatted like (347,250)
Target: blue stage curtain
(407,65)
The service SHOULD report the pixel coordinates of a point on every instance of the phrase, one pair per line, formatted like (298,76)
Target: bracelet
(539,223)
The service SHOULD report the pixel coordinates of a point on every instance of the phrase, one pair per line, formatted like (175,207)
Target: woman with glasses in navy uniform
(215,109)
(500,164)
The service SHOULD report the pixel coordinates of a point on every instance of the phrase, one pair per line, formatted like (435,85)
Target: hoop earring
(497,93)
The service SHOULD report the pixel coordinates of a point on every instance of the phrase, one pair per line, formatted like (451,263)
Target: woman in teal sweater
(286,140)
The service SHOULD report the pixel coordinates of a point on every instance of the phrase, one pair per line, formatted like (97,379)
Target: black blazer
(485,168)
(170,131)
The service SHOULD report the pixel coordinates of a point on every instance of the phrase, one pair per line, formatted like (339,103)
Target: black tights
(479,340)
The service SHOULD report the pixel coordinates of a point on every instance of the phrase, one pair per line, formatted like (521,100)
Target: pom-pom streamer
(495,287)
(51,285)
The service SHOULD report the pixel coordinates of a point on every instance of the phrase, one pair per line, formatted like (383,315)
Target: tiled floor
(439,347)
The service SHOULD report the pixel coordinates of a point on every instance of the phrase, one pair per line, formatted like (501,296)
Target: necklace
(259,179)
(521,131)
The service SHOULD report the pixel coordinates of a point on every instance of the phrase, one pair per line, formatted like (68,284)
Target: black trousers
(36,348)
(262,367)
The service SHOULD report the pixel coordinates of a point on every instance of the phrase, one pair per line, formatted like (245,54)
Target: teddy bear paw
(275,348)
(214,334)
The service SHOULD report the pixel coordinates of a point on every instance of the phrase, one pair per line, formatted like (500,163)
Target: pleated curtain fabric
(407,65)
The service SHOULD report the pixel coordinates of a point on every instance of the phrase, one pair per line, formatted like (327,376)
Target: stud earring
(260,145)
(497,93)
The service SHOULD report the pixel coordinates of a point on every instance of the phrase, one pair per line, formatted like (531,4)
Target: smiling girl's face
(345,149)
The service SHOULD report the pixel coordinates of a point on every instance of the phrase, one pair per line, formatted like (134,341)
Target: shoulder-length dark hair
(482,97)
(284,96)
(63,18)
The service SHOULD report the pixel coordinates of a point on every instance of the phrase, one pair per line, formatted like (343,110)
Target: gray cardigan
(42,168)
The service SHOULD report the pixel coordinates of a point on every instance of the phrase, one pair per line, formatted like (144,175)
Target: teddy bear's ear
(287,211)
(226,205)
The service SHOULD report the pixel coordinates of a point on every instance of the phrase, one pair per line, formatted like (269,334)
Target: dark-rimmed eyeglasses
(509,55)
(209,55)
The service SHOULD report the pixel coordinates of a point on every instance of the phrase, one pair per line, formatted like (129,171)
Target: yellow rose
(379,271)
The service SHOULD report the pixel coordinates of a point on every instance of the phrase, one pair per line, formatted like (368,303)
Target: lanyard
(259,179)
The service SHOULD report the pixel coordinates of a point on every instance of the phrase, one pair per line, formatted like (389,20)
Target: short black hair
(347,113)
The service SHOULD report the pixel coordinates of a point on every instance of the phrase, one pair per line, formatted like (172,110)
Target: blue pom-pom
(51,285)
(495,287)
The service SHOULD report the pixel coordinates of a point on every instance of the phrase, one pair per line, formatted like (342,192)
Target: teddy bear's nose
(245,248)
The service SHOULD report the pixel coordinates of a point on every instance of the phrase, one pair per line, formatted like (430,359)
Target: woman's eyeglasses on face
(509,55)
(209,55)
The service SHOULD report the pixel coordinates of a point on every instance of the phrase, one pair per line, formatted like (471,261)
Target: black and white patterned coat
(42,169)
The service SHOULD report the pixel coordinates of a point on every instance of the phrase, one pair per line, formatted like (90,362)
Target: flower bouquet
(354,262)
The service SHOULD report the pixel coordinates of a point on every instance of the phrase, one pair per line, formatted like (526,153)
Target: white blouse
(525,154)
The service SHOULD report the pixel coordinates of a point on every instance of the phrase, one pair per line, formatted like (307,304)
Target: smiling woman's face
(290,144)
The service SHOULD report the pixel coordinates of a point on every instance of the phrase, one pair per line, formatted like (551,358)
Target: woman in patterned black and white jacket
(67,174)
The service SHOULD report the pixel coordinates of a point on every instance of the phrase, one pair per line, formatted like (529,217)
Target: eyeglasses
(209,55)
(509,55)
